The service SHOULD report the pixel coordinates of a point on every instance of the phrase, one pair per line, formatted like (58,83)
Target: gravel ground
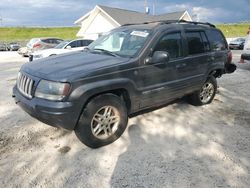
(176,146)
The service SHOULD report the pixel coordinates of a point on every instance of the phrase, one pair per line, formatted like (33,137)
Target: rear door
(191,72)
(219,48)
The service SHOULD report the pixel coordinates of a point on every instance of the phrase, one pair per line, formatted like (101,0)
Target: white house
(102,19)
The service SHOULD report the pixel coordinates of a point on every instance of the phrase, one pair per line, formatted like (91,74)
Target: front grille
(25,84)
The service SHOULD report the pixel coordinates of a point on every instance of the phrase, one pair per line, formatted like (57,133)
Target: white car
(63,47)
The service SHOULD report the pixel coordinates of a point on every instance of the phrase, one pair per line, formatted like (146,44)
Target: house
(102,19)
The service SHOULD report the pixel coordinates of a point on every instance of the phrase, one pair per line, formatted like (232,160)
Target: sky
(65,12)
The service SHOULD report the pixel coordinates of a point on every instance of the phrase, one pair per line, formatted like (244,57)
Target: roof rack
(173,21)
(197,23)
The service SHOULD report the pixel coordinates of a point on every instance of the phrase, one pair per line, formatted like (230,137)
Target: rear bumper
(230,68)
(57,114)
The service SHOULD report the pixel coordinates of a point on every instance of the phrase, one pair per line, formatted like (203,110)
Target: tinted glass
(216,39)
(73,44)
(86,42)
(205,42)
(195,44)
(170,43)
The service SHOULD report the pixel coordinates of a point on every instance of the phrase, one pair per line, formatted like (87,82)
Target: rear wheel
(103,121)
(206,94)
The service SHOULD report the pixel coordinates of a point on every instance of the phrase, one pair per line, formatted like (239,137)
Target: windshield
(125,43)
(61,45)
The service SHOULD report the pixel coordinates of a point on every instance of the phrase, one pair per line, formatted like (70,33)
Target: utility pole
(154,7)
(1,20)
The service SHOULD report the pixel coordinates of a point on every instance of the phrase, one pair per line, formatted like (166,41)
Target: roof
(122,16)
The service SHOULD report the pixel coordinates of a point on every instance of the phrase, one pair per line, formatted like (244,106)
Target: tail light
(229,57)
(37,45)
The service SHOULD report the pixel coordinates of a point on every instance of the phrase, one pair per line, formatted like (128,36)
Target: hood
(50,51)
(68,66)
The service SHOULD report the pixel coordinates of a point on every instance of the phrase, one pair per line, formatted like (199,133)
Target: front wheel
(206,94)
(103,121)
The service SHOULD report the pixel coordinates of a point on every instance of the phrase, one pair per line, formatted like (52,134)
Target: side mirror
(158,57)
(68,47)
(245,56)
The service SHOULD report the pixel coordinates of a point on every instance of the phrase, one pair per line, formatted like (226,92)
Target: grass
(23,34)
(234,30)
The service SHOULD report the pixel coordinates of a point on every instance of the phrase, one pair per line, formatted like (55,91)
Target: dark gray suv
(131,69)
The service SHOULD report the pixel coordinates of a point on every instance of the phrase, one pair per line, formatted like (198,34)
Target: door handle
(181,65)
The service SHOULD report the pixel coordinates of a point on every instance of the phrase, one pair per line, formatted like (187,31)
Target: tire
(206,94)
(94,129)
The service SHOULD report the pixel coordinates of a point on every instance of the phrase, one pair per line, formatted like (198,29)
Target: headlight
(52,90)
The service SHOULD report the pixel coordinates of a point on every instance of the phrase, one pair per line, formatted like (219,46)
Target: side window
(79,43)
(195,44)
(57,41)
(205,42)
(172,44)
(216,39)
(83,43)
(45,40)
(72,44)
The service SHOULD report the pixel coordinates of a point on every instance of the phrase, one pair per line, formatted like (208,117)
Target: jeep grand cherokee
(130,69)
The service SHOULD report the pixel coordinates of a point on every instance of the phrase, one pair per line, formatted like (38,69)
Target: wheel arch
(217,73)
(85,93)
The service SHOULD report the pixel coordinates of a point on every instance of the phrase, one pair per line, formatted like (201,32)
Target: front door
(158,81)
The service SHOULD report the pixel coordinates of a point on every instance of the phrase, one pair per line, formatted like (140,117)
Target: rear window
(217,41)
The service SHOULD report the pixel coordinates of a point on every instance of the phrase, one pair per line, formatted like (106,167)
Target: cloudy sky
(65,12)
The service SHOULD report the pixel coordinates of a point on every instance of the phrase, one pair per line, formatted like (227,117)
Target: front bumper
(57,114)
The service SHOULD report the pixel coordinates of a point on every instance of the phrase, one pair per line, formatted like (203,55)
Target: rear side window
(46,40)
(195,43)
(216,39)
(172,44)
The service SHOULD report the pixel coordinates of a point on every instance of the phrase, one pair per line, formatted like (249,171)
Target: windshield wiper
(106,52)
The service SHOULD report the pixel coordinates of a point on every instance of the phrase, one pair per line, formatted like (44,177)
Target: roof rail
(173,21)
(197,23)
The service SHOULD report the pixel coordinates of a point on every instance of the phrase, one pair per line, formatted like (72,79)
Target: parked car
(245,57)
(237,44)
(63,47)
(13,46)
(42,43)
(3,47)
(133,68)
(35,44)
(23,51)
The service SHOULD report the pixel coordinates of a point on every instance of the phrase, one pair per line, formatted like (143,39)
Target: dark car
(132,69)
(237,44)
(13,46)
